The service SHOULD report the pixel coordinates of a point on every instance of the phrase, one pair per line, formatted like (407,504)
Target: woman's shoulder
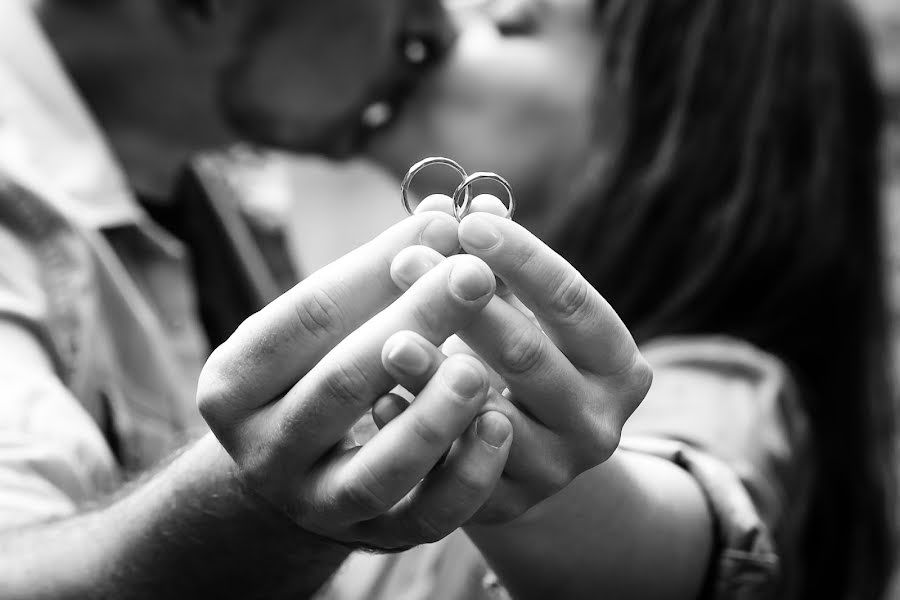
(736,404)
(721,376)
(717,359)
(731,414)
(720,393)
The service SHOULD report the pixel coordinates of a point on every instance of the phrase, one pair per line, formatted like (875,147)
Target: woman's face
(516,96)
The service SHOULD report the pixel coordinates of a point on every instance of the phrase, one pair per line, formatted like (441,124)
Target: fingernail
(464,378)
(493,429)
(470,281)
(409,357)
(386,409)
(441,234)
(409,269)
(478,233)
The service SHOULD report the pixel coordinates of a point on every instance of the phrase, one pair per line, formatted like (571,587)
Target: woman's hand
(281,394)
(572,373)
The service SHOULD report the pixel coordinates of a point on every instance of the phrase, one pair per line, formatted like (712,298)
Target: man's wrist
(195,527)
(210,451)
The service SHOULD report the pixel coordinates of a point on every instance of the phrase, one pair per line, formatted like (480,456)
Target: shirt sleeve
(728,415)
(53,455)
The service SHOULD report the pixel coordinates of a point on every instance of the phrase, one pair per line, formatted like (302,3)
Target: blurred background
(883,17)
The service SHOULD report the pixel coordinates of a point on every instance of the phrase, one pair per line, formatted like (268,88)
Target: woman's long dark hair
(744,200)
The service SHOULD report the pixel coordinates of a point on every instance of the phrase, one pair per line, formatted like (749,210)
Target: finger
(507,340)
(412,263)
(538,456)
(453,493)
(435,203)
(455,345)
(542,461)
(401,454)
(277,346)
(561,426)
(321,406)
(581,323)
(411,360)
(481,203)
(387,408)
(486,203)
(539,375)
(415,261)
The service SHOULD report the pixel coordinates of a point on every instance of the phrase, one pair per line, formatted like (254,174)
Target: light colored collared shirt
(102,289)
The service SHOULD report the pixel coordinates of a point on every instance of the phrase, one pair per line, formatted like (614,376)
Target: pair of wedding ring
(462,197)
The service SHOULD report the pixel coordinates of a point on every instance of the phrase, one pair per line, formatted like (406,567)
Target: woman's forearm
(190,531)
(634,527)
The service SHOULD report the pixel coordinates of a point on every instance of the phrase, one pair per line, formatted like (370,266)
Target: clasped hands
(531,388)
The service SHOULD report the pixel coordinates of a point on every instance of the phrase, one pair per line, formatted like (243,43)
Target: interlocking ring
(462,197)
(422,164)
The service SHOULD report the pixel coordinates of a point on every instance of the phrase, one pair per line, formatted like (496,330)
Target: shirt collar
(47,135)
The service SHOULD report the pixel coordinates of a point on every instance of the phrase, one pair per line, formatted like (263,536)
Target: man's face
(301,74)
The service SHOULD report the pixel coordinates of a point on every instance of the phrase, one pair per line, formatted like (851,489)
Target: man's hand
(568,369)
(282,393)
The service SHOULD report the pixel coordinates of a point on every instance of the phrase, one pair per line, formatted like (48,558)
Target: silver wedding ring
(419,166)
(462,196)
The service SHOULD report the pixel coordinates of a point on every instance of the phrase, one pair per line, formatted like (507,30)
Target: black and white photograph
(449,299)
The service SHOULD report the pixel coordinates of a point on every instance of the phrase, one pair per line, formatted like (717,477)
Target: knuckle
(570,300)
(634,377)
(599,444)
(427,531)
(208,404)
(346,383)
(472,483)
(642,378)
(361,497)
(522,350)
(523,259)
(631,384)
(430,318)
(430,433)
(212,394)
(320,315)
